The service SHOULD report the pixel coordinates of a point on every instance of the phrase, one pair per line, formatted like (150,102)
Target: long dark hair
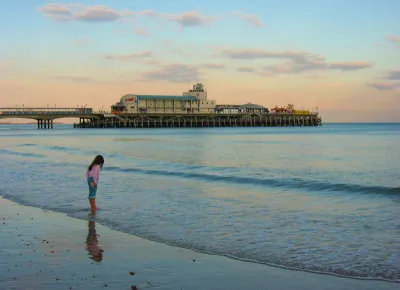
(98,160)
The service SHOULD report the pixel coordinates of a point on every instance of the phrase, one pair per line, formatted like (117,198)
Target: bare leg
(93,204)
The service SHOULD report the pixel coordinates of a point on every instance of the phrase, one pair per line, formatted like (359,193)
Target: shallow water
(323,199)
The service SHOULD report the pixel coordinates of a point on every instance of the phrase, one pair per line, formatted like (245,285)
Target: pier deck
(147,120)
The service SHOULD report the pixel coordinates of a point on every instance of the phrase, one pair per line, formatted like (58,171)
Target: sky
(342,57)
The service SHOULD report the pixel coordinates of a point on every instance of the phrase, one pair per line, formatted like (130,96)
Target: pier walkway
(46,116)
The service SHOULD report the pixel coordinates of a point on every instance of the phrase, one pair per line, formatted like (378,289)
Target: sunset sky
(340,56)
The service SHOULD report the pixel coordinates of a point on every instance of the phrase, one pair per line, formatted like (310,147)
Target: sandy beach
(48,250)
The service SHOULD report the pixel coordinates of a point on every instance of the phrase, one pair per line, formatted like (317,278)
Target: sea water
(321,199)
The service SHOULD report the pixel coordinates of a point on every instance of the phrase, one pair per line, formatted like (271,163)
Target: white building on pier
(193,101)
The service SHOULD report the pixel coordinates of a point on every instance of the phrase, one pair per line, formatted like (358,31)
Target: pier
(192,109)
(225,118)
(189,120)
(46,116)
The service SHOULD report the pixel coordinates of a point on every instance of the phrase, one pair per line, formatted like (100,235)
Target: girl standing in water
(92,176)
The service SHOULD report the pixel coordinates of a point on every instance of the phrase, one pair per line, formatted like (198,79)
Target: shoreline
(74,253)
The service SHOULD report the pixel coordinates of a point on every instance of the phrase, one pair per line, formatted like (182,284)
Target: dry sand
(48,250)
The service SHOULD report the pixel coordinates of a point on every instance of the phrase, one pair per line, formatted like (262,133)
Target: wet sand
(47,250)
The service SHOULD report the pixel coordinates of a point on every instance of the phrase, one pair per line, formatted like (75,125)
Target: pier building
(193,101)
(237,109)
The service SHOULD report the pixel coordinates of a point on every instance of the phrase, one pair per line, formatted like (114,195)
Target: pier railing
(45,111)
(204,113)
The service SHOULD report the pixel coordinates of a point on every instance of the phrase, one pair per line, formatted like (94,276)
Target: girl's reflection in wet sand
(92,242)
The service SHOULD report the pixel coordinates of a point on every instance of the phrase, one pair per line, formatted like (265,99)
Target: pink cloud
(57,9)
(101,13)
(142,31)
(150,13)
(260,53)
(191,18)
(71,12)
(174,73)
(83,42)
(59,12)
(295,61)
(353,65)
(394,75)
(214,66)
(393,38)
(246,69)
(168,42)
(136,55)
(79,79)
(385,86)
(252,19)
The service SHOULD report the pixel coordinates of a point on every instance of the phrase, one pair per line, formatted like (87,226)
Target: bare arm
(96,173)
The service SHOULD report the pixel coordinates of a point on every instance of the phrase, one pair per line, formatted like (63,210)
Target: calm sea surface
(323,199)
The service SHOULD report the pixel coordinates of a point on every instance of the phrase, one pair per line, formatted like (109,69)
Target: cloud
(393,38)
(252,19)
(394,75)
(82,42)
(100,14)
(388,83)
(355,65)
(168,42)
(136,55)
(174,73)
(59,12)
(78,79)
(260,53)
(142,31)
(150,13)
(246,70)
(294,61)
(191,18)
(385,86)
(70,12)
(214,66)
